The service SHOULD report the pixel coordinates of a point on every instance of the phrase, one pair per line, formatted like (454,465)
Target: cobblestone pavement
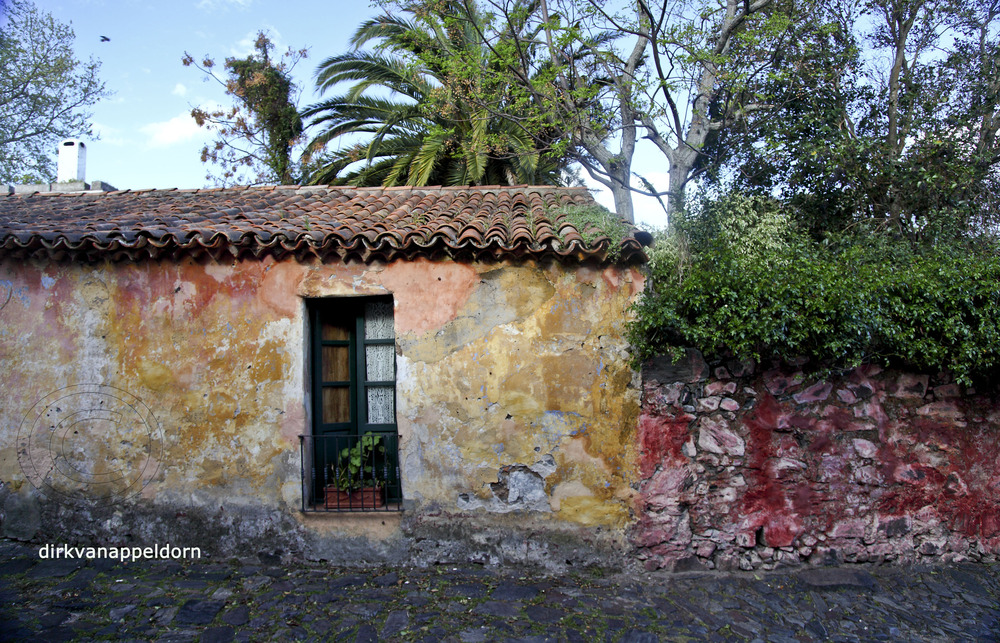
(261,598)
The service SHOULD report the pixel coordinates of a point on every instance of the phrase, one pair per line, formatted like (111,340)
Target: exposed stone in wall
(518,488)
(743,469)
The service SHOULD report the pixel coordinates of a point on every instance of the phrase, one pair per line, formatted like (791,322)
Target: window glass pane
(336,404)
(336,363)
(381,405)
(380,361)
(334,331)
(378,320)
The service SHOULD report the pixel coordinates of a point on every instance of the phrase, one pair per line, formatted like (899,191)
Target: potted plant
(357,484)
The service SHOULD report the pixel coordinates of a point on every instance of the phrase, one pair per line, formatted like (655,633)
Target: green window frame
(353,383)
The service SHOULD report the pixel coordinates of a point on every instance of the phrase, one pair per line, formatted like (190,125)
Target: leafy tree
(257,135)
(45,91)
(431,60)
(893,120)
(677,73)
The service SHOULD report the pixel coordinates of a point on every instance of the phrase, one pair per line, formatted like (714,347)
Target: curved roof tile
(311,221)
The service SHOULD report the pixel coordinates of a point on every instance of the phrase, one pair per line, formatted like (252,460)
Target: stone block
(777,383)
(69,186)
(708,404)
(22,517)
(910,385)
(849,528)
(717,388)
(847,396)
(815,393)
(741,368)
(30,189)
(715,436)
(864,448)
(946,410)
(896,527)
(729,404)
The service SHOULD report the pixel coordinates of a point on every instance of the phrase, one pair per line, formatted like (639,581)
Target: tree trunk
(679,171)
(623,201)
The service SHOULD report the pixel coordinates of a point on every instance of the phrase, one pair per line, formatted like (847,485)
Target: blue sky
(147,136)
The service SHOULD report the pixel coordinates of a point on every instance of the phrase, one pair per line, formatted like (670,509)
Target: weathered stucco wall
(514,394)
(744,470)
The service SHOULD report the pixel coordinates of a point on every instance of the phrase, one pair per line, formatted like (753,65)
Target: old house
(202,367)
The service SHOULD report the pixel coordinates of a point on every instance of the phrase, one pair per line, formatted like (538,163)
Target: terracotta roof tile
(369,224)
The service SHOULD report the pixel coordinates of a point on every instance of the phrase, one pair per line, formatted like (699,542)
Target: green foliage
(883,113)
(356,467)
(594,221)
(45,91)
(773,293)
(257,135)
(450,117)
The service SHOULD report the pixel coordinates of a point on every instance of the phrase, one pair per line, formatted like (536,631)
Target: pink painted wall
(776,468)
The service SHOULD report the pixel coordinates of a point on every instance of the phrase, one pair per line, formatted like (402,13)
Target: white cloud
(178,129)
(212,5)
(179,90)
(108,135)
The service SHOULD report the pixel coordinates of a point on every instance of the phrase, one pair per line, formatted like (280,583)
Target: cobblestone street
(262,598)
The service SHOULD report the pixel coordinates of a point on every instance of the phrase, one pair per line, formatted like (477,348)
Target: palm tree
(448,119)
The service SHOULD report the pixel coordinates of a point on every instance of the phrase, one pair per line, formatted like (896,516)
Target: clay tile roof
(369,224)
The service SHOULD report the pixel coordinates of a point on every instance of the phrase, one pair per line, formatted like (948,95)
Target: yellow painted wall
(499,364)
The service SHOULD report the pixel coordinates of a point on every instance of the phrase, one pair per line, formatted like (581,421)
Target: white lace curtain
(380,363)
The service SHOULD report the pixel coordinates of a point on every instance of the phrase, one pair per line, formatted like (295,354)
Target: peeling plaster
(497,363)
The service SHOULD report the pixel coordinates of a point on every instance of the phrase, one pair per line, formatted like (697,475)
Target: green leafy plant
(594,221)
(850,299)
(355,469)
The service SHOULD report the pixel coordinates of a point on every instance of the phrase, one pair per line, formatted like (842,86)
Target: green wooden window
(353,364)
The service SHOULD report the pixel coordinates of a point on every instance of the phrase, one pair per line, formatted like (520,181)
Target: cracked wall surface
(510,374)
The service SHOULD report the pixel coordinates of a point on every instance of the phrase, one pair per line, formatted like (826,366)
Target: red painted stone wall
(742,469)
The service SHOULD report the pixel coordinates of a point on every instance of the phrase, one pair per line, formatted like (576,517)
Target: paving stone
(467,590)
(396,622)
(542,614)
(54,568)
(347,581)
(496,608)
(477,635)
(18,566)
(366,634)
(236,616)
(218,635)
(119,613)
(511,592)
(387,580)
(198,612)
(837,578)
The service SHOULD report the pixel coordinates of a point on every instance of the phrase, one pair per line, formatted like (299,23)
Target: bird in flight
(105,39)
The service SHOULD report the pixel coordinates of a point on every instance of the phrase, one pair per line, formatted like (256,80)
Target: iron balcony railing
(350,472)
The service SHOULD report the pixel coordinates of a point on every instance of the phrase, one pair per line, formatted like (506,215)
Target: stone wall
(186,385)
(743,469)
